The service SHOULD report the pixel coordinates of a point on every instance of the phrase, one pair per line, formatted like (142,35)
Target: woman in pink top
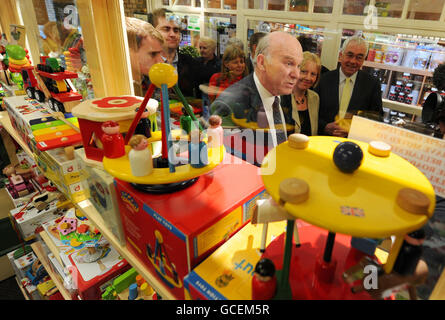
(233,67)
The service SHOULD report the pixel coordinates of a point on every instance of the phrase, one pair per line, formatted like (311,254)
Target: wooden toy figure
(264,281)
(143,126)
(140,156)
(215,132)
(112,140)
(198,156)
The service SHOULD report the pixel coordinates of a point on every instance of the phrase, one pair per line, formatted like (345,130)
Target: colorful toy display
(169,172)
(355,189)
(49,81)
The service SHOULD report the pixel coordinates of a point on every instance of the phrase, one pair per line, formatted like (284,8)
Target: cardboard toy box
(22,112)
(29,221)
(102,194)
(91,279)
(171,233)
(227,273)
(21,264)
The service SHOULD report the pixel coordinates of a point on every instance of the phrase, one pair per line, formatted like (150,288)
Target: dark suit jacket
(187,67)
(243,100)
(249,64)
(366,95)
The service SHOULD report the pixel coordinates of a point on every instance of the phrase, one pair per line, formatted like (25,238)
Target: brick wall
(131,6)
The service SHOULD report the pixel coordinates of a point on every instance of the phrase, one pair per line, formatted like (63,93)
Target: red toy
(112,140)
(264,281)
(50,82)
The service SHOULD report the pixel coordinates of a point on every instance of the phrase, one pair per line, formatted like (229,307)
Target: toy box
(29,221)
(102,194)
(171,233)
(21,265)
(20,201)
(227,273)
(91,279)
(22,111)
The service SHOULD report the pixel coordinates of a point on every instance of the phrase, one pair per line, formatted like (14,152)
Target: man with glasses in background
(347,89)
(168,24)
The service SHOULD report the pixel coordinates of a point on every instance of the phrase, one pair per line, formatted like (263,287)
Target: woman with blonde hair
(304,101)
(233,69)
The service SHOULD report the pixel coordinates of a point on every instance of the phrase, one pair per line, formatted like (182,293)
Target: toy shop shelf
(378,65)
(6,123)
(36,247)
(91,213)
(402,107)
(21,289)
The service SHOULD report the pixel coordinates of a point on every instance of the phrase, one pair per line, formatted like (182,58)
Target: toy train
(50,80)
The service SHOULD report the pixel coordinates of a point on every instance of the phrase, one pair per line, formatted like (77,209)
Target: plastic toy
(36,272)
(168,170)
(49,81)
(16,58)
(264,282)
(384,196)
(215,132)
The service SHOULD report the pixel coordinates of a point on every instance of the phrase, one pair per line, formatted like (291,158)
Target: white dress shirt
(268,99)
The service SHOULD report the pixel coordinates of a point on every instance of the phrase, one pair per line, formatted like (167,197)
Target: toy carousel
(349,188)
(133,159)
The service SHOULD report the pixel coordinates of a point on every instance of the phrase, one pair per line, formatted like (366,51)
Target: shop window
(276,5)
(198,3)
(214,4)
(256,4)
(183,2)
(323,6)
(355,7)
(60,37)
(298,5)
(425,9)
(221,28)
(390,8)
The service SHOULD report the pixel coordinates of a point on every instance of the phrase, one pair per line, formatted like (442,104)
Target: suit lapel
(355,97)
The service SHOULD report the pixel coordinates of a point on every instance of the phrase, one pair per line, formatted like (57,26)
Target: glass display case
(425,9)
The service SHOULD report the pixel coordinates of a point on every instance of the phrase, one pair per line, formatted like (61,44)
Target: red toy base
(310,277)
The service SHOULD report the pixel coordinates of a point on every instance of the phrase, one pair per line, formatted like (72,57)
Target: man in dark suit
(255,99)
(253,43)
(347,89)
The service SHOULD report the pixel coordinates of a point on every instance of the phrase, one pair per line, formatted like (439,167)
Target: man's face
(282,68)
(148,54)
(352,59)
(206,51)
(170,31)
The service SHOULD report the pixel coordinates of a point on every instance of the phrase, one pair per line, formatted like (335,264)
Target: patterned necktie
(345,98)
(280,133)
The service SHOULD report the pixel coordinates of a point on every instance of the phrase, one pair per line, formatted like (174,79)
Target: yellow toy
(167,169)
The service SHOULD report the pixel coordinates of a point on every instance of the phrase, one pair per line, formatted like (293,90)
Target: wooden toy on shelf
(17,186)
(140,156)
(17,59)
(168,170)
(112,140)
(347,191)
(215,133)
(50,81)
(264,281)
(93,113)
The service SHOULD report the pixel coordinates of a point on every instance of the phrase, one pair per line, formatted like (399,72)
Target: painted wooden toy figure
(198,156)
(264,281)
(140,156)
(112,140)
(143,126)
(215,132)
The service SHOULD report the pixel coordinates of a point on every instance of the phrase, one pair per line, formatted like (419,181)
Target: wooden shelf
(378,65)
(37,248)
(91,213)
(402,107)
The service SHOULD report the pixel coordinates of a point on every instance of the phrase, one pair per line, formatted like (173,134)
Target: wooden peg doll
(112,140)
(140,156)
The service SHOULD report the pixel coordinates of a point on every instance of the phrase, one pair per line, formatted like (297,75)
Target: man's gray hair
(262,48)
(355,39)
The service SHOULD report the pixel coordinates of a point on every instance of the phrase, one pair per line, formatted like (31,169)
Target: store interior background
(410,34)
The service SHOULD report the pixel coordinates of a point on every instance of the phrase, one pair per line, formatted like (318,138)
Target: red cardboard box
(172,233)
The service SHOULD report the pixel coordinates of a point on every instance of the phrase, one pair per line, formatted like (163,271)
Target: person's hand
(333,129)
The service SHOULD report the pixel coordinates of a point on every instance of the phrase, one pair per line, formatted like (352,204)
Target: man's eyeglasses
(358,57)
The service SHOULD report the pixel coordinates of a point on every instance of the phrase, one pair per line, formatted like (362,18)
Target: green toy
(15,51)
(120,284)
